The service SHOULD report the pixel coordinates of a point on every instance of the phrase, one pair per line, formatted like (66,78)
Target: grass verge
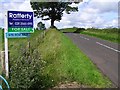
(65,62)
(60,61)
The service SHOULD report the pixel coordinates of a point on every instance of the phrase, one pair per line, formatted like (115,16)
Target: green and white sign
(23,30)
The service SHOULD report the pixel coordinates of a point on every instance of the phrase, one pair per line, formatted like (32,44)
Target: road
(103,54)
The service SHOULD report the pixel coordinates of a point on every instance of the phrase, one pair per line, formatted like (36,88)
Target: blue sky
(92,13)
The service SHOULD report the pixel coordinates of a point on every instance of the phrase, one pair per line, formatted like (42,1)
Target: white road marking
(84,38)
(108,47)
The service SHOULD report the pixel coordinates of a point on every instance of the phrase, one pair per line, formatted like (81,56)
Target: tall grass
(66,63)
(1,39)
(43,62)
(1,48)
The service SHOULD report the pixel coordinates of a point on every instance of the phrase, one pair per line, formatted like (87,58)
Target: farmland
(109,34)
(106,34)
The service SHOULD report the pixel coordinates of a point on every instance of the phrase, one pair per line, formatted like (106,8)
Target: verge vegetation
(45,61)
(1,48)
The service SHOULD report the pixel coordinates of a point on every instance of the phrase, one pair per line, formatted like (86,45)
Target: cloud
(95,13)
(25,6)
(92,13)
(104,5)
(112,23)
(7,6)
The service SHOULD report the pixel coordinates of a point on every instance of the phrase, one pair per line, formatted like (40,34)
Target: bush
(79,30)
(25,70)
(26,67)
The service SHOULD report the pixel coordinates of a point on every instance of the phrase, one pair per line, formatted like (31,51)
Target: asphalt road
(103,54)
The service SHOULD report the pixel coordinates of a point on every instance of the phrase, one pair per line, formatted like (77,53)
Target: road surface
(103,54)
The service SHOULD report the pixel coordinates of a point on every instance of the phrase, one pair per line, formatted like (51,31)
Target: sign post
(18,24)
(6,47)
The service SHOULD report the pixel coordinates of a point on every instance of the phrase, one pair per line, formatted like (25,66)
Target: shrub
(25,70)
(27,66)
(79,30)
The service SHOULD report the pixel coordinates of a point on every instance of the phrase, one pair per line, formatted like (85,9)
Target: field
(45,61)
(110,34)
(106,34)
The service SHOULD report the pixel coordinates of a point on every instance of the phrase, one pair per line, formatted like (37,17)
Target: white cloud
(99,21)
(104,5)
(112,23)
(74,5)
(115,22)
(91,10)
(91,13)
(1,15)
(25,6)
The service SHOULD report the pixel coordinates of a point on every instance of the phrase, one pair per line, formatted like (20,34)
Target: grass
(1,47)
(110,34)
(65,62)
(62,61)
(25,62)
(1,39)
(16,43)
(106,34)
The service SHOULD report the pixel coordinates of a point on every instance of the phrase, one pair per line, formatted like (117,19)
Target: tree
(41,26)
(52,10)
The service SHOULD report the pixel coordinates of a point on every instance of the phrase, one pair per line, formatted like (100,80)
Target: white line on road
(108,47)
(84,38)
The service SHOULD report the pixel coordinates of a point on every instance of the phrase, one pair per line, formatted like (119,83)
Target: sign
(18,24)
(17,35)
(19,21)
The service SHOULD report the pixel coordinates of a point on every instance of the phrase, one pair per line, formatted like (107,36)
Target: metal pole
(6,46)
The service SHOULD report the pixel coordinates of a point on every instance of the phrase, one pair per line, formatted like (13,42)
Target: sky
(92,13)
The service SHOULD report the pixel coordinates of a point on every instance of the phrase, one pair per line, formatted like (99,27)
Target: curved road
(102,53)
